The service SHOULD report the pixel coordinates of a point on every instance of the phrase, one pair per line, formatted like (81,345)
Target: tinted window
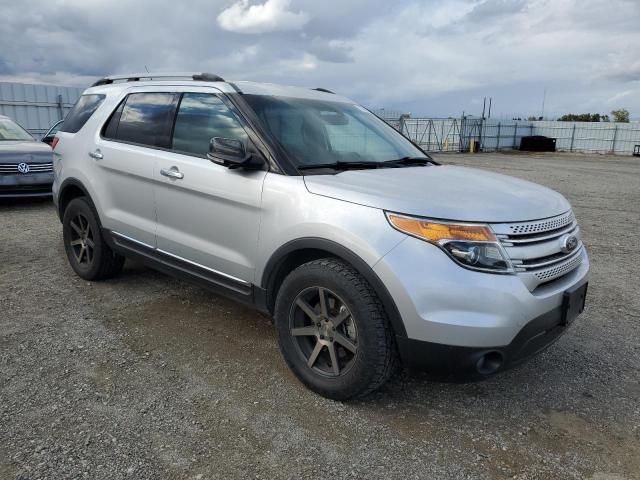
(81,112)
(146,119)
(111,128)
(202,116)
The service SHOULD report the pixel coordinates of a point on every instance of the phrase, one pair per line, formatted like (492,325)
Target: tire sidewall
(361,372)
(75,207)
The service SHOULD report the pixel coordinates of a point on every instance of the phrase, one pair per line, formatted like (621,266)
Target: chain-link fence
(458,134)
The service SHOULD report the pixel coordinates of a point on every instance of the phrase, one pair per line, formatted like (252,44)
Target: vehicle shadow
(185,303)
(554,404)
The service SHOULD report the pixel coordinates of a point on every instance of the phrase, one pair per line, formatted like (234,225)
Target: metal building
(36,107)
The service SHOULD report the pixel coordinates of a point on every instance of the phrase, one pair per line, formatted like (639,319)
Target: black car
(26,165)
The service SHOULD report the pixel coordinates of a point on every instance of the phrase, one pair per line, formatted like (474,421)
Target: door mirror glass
(231,153)
(226,150)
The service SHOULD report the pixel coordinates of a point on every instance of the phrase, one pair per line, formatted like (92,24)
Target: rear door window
(144,119)
(81,112)
(202,116)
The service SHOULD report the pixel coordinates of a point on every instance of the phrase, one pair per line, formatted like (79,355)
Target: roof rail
(319,89)
(136,77)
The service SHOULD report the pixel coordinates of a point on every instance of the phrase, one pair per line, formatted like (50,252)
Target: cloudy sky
(431,57)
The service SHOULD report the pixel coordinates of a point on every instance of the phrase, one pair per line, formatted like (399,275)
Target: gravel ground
(144,376)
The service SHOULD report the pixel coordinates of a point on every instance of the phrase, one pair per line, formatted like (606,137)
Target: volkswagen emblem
(23,167)
(569,243)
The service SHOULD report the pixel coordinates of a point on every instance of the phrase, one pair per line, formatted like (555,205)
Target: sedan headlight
(473,246)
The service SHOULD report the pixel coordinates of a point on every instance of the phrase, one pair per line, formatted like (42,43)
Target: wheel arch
(71,188)
(297,252)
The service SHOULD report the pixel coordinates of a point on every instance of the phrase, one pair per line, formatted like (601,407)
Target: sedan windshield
(325,134)
(12,131)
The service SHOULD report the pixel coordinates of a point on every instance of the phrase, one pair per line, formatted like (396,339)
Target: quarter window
(81,112)
(111,128)
(202,116)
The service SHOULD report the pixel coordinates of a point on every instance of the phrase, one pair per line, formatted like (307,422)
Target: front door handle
(172,172)
(97,155)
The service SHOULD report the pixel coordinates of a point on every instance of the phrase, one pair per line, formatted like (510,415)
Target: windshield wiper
(409,161)
(361,165)
(342,165)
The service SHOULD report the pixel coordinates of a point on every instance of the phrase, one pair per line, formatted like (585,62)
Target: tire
(353,323)
(88,253)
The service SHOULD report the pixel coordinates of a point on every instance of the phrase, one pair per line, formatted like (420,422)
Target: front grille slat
(526,239)
(541,226)
(12,168)
(528,265)
(561,269)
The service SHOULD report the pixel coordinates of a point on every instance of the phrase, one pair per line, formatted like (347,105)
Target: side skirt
(219,283)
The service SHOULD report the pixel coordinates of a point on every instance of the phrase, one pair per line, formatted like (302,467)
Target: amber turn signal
(437,232)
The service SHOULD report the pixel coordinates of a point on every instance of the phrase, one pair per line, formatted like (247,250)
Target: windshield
(319,132)
(10,130)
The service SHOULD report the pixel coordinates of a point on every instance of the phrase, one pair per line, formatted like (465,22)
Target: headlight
(473,246)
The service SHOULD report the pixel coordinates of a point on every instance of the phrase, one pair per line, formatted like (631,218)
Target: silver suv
(302,203)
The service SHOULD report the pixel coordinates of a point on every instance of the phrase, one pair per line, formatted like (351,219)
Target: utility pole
(484,105)
(544,97)
(489,115)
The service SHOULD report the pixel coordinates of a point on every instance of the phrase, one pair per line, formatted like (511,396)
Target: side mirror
(48,140)
(231,153)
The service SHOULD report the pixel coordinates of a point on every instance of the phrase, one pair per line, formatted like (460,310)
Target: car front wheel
(333,330)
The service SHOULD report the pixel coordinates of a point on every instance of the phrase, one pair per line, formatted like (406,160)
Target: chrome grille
(542,225)
(536,248)
(12,168)
(562,269)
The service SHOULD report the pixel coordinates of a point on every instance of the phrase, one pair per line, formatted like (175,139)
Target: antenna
(145,67)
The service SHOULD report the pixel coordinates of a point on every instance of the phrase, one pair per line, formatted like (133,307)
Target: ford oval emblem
(569,243)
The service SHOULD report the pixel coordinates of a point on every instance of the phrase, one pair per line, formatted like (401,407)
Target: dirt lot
(147,377)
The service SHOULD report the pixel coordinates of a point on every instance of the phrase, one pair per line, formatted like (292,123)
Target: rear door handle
(97,155)
(172,172)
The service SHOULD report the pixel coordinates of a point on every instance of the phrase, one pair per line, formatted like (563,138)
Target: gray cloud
(335,51)
(428,56)
(487,9)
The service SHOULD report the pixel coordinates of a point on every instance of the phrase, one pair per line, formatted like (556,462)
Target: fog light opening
(490,362)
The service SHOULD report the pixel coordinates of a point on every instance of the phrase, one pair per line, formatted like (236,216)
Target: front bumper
(448,360)
(452,315)
(29,185)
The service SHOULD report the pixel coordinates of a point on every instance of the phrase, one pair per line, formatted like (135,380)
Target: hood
(29,151)
(443,192)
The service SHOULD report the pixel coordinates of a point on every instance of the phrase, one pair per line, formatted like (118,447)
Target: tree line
(621,116)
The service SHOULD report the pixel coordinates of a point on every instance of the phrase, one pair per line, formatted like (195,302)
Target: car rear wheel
(333,330)
(89,255)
